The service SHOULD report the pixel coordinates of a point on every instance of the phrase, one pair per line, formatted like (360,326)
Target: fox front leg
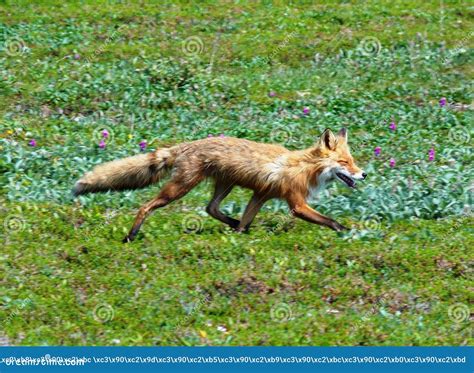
(305,212)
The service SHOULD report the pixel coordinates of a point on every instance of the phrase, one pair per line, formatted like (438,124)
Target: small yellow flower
(203,334)
(9,132)
(130,136)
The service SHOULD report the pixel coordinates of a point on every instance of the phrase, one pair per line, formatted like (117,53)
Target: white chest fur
(323,179)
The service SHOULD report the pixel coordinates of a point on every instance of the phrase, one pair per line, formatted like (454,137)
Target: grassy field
(397,74)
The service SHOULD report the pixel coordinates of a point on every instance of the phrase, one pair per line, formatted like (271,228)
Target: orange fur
(271,171)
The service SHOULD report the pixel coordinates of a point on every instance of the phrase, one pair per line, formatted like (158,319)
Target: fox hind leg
(221,190)
(170,192)
(254,206)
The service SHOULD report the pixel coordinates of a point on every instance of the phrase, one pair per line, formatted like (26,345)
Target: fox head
(336,159)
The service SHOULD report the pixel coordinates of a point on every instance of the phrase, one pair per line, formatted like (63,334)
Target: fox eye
(344,162)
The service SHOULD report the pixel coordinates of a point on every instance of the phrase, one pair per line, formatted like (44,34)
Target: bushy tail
(129,173)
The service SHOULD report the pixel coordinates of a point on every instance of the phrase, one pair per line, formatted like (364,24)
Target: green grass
(402,276)
(393,287)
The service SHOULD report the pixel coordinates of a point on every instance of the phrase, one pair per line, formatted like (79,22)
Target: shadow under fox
(271,171)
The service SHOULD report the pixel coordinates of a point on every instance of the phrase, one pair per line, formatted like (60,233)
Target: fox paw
(340,228)
(234,224)
(127,239)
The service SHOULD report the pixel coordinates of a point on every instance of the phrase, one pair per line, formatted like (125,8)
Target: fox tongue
(349,182)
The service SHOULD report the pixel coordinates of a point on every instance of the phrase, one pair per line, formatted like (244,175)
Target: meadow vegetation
(86,82)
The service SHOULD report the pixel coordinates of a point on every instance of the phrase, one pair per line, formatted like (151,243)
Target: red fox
(271,171)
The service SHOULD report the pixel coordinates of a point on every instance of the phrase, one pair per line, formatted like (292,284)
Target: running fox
(271,171)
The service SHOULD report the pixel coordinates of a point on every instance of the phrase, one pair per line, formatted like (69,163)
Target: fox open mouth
(346,179)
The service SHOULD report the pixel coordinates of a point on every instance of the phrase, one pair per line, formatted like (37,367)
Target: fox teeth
(350,183)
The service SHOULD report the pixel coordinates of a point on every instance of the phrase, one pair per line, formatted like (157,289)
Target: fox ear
(342,134)
(328,140)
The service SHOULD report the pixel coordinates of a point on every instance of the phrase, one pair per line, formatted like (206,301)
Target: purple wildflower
(393,126)
(76,56)
(442,101)
(306,110)
(392,162)
(431,154)
(142,145)
(221,135)
(102,144)
(32,143)
(105,134)
(271,94)
(210,135)
(377,151)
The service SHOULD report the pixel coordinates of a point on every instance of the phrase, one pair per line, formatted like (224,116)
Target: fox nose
(364,175)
